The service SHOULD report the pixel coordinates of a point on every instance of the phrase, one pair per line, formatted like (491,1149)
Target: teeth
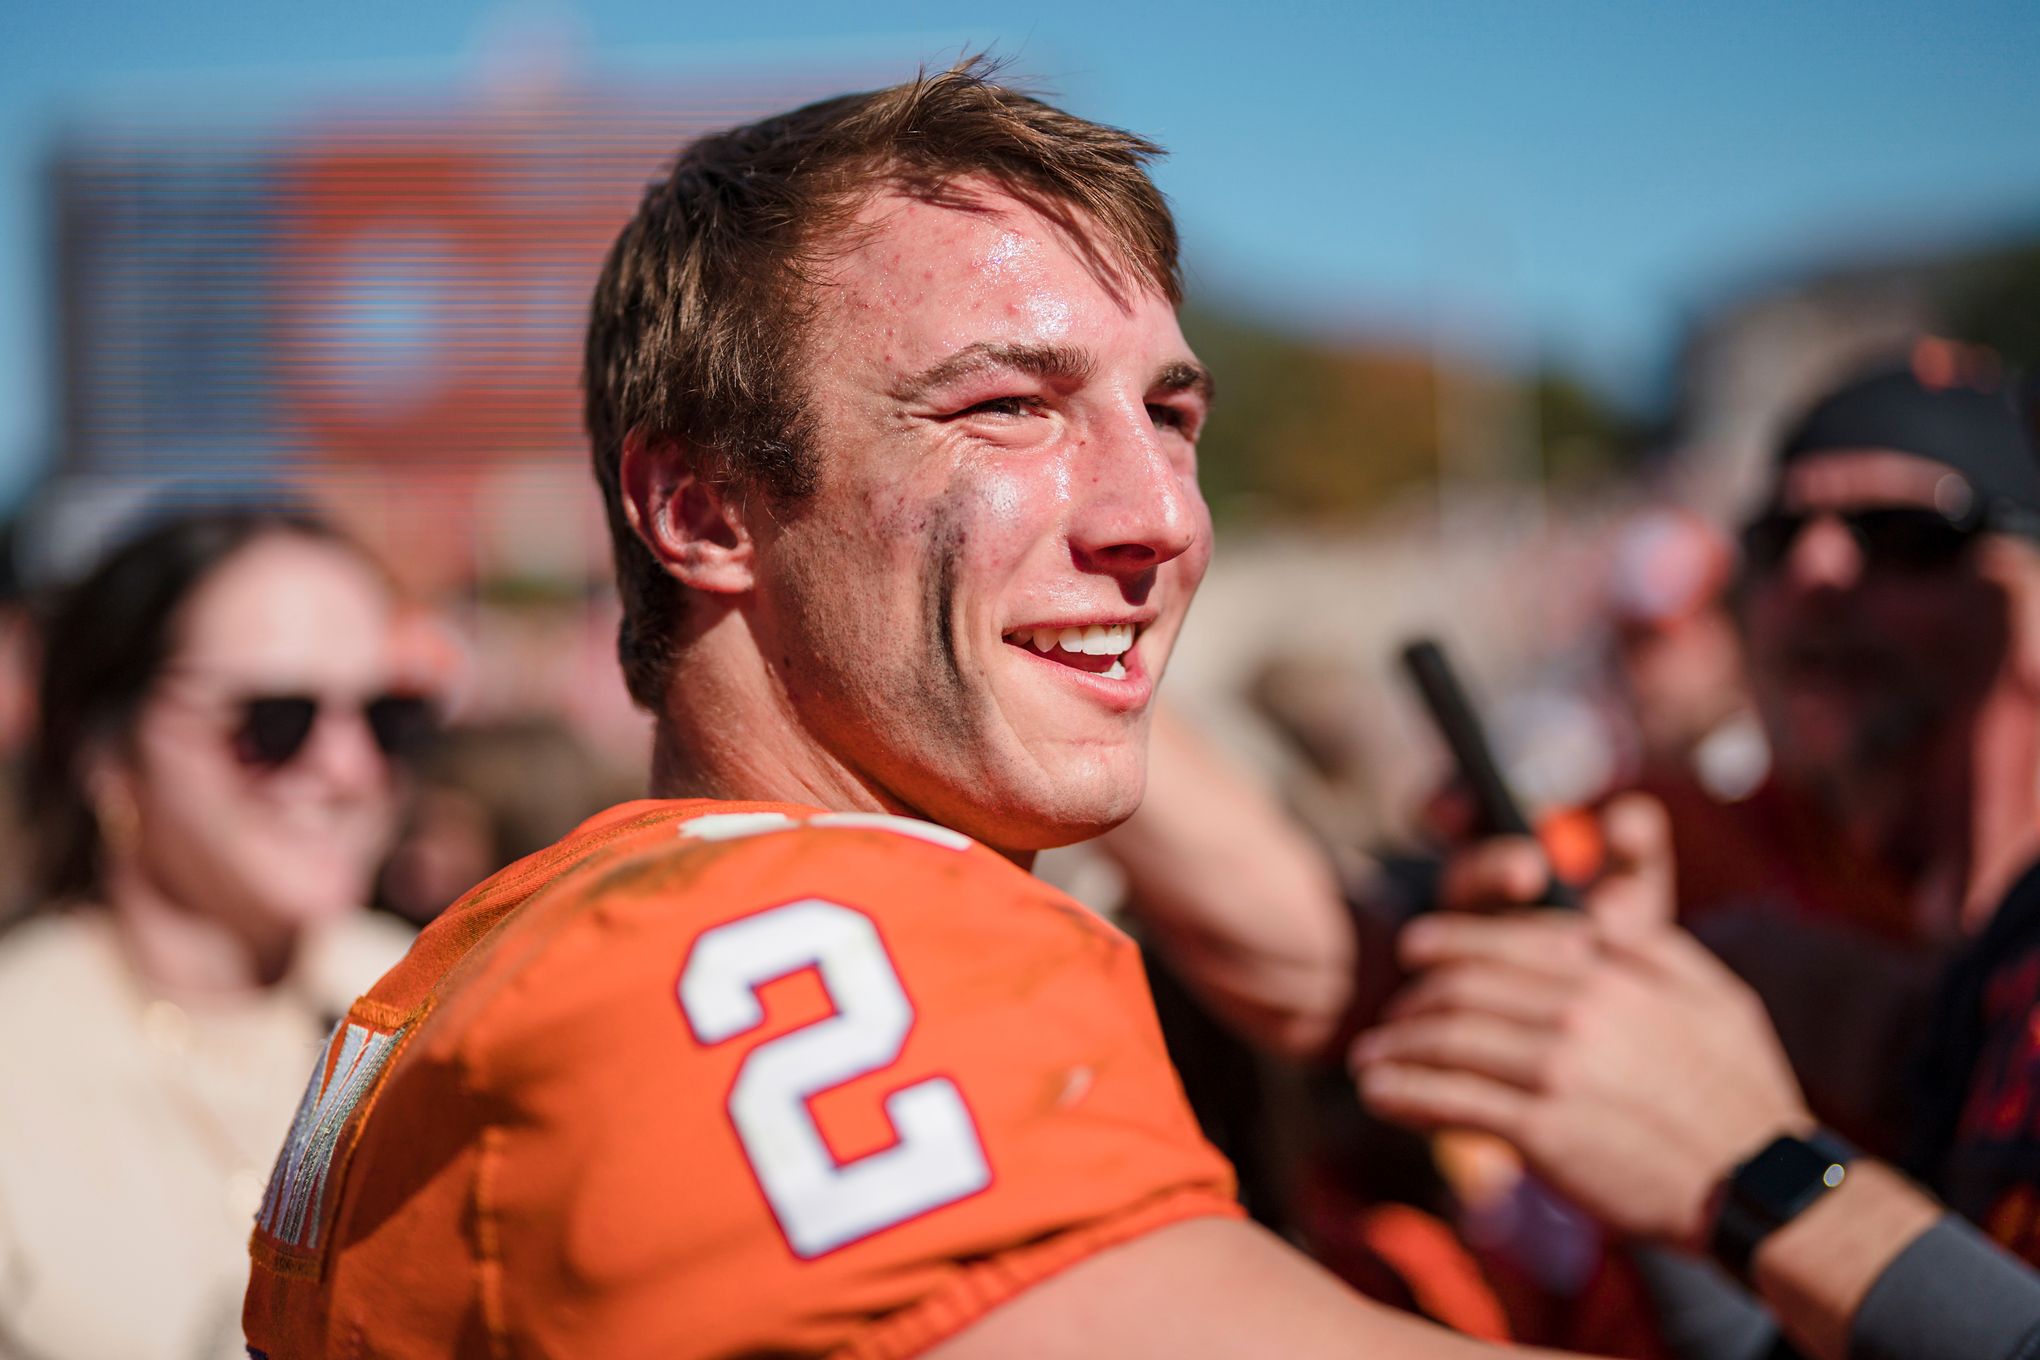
(1093,640)
(1117,671)
(1114,641)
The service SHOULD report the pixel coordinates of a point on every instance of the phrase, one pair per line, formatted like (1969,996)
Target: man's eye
(1173,418)
(1004,406)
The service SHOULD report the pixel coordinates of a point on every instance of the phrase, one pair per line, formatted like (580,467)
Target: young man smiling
(896,430)
(1003,448)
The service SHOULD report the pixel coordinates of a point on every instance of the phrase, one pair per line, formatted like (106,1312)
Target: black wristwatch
(1773,1188)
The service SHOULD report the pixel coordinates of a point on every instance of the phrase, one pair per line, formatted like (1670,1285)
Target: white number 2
(822,1204)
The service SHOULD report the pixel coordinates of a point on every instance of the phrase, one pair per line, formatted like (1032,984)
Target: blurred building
(381,307)
(376,308)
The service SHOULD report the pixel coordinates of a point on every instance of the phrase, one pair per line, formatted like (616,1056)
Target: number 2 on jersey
(823,1204)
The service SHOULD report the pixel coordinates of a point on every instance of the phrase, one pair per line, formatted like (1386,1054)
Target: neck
(690,763)
(187,956)
(728,729)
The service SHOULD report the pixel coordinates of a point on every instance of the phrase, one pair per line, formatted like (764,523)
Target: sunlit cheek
(1002,497)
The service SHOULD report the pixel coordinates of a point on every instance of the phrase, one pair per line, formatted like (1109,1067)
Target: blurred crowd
(1835,706)
(243,767)
(224,747)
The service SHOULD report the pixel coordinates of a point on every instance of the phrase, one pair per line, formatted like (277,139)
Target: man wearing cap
(1885,611)
(1889,618)
(1893,617)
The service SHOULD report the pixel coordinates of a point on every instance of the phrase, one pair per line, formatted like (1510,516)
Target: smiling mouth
(1098,649)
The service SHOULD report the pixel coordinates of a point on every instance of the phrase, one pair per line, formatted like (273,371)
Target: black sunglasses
(272,729)
(1903,538)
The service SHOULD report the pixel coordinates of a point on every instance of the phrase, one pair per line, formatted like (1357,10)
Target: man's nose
(1138,502)
(1825,555)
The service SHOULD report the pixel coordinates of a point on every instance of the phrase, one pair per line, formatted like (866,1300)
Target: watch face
(1770,1189)
(1787,1176)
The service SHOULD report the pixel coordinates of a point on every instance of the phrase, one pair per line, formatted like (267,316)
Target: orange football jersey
(720,1079)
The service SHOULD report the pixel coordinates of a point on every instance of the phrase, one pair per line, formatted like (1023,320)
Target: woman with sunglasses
(212,789)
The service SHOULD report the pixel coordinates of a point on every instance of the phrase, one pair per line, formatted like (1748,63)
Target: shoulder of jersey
(722,828)
(716,865)
(761,839)
(614,890)
(800,840)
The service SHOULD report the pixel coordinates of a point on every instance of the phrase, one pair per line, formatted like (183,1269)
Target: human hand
(1633,889)
(1630,1067)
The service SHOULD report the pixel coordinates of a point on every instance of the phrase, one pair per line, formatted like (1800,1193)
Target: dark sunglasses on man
(1895,538)
(271,730)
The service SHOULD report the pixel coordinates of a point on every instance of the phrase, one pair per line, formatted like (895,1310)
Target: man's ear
(691,523)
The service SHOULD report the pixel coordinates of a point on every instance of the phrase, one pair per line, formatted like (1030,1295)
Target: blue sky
(1576,176)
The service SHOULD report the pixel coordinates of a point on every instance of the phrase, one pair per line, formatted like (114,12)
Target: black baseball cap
(1947,403)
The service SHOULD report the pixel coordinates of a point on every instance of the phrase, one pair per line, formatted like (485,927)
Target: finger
(1559,944)
(1449,815)
(1422,1098)
(1504,873)
(1483,1045)
(1514,994)
(1673,955)
(1636,891)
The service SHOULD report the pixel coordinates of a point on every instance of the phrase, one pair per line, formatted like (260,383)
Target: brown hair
(700,314)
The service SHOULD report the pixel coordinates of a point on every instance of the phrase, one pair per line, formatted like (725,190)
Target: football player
(897,434)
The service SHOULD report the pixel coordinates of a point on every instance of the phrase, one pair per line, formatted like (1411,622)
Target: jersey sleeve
(826,1091)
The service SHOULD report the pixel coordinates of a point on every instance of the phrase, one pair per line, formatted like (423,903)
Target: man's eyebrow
(1065,363)
(1185,376)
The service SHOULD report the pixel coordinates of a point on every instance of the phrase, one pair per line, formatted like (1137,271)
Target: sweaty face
(970,614)
(1857,665)
(269,848)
